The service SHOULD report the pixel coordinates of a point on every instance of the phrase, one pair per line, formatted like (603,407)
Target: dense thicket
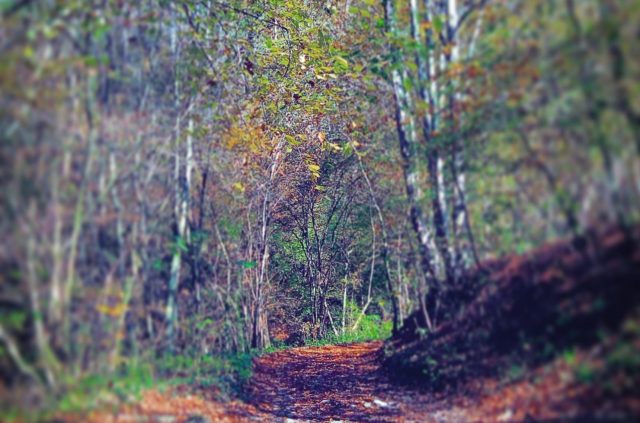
(204,176)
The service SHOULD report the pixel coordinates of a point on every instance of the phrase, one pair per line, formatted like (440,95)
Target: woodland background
(185,182)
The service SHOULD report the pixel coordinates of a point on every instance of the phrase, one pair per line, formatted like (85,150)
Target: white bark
(14,353)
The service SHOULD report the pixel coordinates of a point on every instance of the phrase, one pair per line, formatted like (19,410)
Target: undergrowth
(223,374)
(371,328)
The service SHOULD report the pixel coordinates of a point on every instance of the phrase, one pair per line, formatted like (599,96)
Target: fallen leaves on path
(346,383)
(166,407)
(337,382)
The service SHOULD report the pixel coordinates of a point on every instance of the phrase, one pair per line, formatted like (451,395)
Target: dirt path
(346,383)
(317,384)
(331,383)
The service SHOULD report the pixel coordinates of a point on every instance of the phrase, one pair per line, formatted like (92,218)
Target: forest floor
(327,383)
(332,383)
(576,358)
(348,383)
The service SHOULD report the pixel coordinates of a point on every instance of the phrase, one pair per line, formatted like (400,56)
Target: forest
(319,210)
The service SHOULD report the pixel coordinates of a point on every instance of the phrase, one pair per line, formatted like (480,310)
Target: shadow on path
(336,382)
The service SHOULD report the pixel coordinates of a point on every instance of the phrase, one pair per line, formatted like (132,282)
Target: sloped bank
(572,304)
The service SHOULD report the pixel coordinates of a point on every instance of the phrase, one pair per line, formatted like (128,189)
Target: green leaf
(101,31)
(247,264)
(438,24)
(157,265)
(28,52)
(181,244)
(291,140)
(340,64)
(407,84)
(204,323)
(14,319)
(91,61)
(347,149)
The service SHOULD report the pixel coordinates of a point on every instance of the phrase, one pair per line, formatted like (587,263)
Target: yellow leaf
(238,186)
(447,49)
(112,311)
(455,69)
(103,308)
(335,147)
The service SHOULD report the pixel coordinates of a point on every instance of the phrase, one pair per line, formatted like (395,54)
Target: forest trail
(347,383)
(309,384)
(331,383)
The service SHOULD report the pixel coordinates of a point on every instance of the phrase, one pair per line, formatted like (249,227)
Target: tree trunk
(406,137)
(428,91)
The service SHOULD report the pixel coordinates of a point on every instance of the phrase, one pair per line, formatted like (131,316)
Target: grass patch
(226,372)
(371,328)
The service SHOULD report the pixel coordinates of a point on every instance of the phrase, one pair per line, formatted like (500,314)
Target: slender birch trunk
(405,127)
(79,212)
(428,91)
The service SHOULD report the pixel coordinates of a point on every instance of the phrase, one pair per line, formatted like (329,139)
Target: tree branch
(468,11)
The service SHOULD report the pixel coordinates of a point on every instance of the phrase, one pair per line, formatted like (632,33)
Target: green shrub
(371,328)
(585,373)
(94,390)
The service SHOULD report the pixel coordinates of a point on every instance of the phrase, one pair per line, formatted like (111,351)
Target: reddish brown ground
(347,383)
(337,382)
